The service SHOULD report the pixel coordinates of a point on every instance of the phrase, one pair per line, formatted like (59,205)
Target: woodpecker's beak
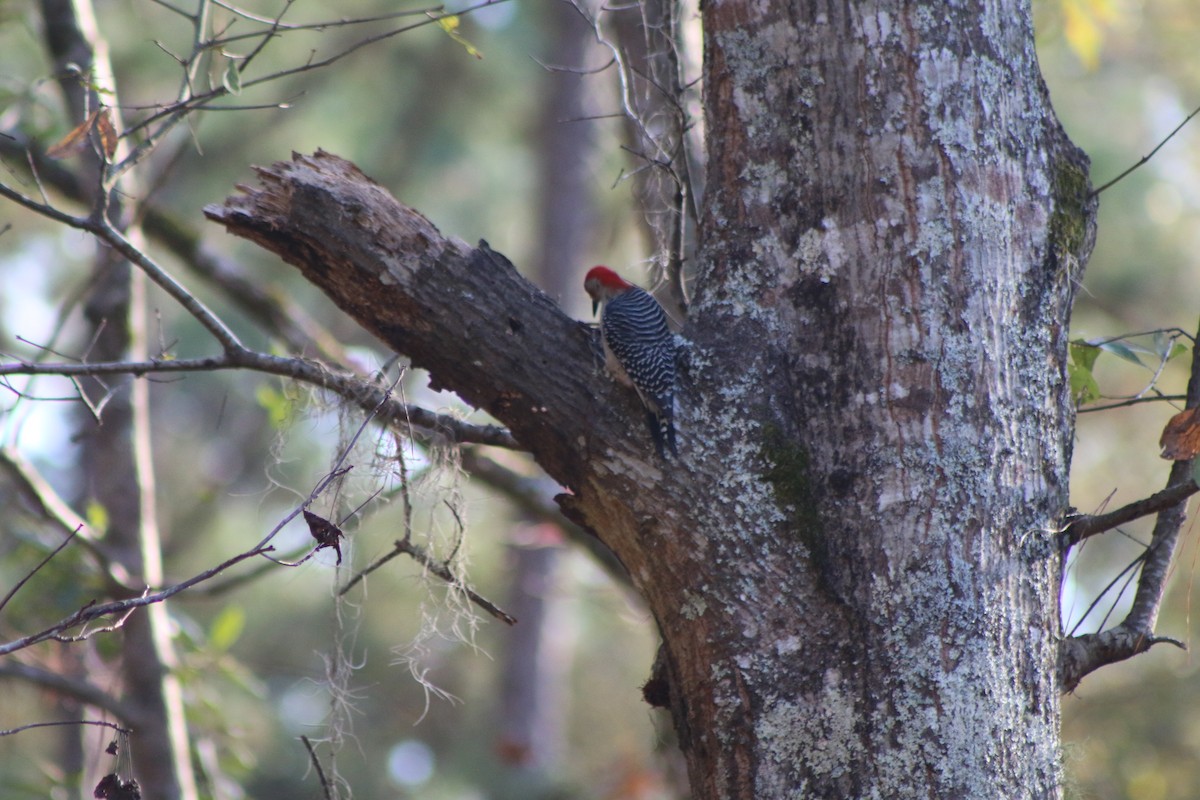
(595,305)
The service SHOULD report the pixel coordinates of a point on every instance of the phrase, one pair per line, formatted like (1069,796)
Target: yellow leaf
(450,25)
(1084,23)
(97,517)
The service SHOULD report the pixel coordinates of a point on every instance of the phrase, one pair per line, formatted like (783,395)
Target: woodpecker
(638,347)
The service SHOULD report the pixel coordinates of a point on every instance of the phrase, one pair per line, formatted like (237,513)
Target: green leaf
(450,24)
(276,403)
(1178,349)
(1122,350)
(1084,354)
(226,628)
(232,79)
(1084,388)
(97,517)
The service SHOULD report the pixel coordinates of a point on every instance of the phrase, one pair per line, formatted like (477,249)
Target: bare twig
(533,496)
(365,394)
(1125,575)
(436,568)
(276,26)
(42,563)
(1133,401)
(81,690)
(98,225)
(161,123)
(1083,527)
(97,722)
(1080,655)
(120,608)
(278,316)
(326,789)
(1144,159)
(53,508)
(654,98)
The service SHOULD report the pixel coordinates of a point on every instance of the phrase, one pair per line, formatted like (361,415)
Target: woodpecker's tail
(662,430)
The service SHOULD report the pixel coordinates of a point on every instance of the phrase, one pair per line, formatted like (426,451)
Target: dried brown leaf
(76,141)
(1181,438)
(108,133)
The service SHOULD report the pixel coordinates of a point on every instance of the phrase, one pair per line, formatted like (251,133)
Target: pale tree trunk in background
(534,669)
(852,562)
(535,664)
(115,462)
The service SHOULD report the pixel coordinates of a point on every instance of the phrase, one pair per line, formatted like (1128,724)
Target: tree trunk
(893,228)
(851,561)
(114,428)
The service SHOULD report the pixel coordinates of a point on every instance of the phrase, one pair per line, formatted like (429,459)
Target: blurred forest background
(418,694)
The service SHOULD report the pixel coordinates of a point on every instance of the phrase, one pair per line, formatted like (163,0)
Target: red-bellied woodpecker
(638,346)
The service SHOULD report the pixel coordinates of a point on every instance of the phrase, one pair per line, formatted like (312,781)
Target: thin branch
(275,313)
(533,497)
(53,508)
(334,474)
(365,394)
(1173,330)
(275,26)
(171,115)
(120,608)
(42,563)
(1133,401)
(326,789)
(436,568)
(99,226)
(1126,575)
(97,722)
(1146,158)
(159,124)
(1083,527)
(104,230)
(81,690)
(1080,655)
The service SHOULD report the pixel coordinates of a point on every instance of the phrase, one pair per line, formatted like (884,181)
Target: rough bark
(852,561)
(893,209)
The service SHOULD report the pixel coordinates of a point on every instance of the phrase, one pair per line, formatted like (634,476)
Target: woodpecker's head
(603,284)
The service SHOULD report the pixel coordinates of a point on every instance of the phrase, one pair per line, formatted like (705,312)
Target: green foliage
(1164,347)
(226,628)
(278,405)
(1084,388)
(232,78)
